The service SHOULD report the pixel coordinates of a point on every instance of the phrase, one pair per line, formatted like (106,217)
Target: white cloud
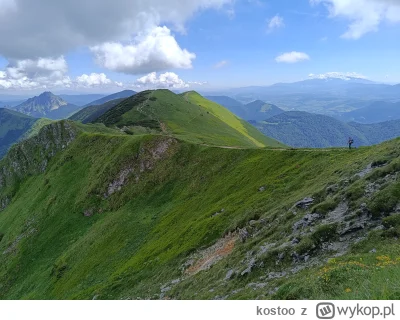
(31,74)
(292,57)
(153,51)
(165,80)
(51,28)
(47,73)
(221,64)
(364,15)
(275,22)
(92,80)
(338,75)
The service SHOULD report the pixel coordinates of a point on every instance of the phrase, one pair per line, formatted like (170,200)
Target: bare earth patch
(210,256)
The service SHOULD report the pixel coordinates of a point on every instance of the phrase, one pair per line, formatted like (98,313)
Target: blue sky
(228,44)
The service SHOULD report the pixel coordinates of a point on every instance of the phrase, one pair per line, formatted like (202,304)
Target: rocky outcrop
(33,155)
(144,161)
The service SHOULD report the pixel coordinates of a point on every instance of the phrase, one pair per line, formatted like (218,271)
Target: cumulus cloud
(275,22)
(47,73)
(153,50)
(166,80)
(32,74)
(364,15)
(93,80)
(338,75)
(52,28)
(292,57)
(221,64)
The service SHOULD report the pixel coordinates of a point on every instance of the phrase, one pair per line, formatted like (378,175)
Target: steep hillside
(47,105)
(188,116)
(231,104)
(231,120)
(91,113)
(119,95)
(254,111)
(259,110)
(13,126)
(156,217)
(306,130)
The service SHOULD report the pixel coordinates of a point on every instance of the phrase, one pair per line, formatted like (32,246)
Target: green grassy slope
(13,126)
(181,116)
(231,120)
(142,210)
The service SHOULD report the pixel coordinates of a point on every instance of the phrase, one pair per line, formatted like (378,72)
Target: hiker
(351,141)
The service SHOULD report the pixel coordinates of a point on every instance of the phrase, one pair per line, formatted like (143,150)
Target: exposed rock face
(33,155)
(144,161)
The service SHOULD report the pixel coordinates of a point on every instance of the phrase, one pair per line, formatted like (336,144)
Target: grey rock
(249,268)
(295,241)
(244,234)
(364,172)
(273,291)
(307,220)
(306,258)
(373,251)
(262,189)
(305,203)
(229,274)
(277,275)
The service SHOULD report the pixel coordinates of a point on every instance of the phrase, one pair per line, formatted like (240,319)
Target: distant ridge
(118,95)
(306,130)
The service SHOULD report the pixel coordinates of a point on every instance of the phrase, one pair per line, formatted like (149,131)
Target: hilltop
(188,116)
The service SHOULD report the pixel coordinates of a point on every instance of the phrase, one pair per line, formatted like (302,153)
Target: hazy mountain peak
(45,105)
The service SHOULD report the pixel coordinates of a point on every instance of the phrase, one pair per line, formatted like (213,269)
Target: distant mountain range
(47,105)
(324,96)
(81,99)
(305,130)
(375,112)
(254,111)
(119,95)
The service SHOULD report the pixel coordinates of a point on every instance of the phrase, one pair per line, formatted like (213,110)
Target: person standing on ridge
(351,141)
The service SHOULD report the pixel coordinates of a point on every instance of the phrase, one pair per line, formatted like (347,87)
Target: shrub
(306,245)
(392,221)
(355,192)
(326,206)
(384,202)
(324,233)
